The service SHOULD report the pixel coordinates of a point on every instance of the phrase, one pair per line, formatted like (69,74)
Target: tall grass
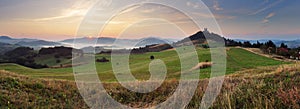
(264,87)
(25,92)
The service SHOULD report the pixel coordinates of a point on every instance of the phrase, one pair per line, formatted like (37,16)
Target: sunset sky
(243,19)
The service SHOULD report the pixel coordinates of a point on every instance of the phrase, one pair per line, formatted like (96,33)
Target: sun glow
(90,37)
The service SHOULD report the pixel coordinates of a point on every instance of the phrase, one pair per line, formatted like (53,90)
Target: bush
(58,61)
(152,57)
(102,60)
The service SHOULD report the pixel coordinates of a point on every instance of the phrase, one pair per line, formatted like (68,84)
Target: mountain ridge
(27,42)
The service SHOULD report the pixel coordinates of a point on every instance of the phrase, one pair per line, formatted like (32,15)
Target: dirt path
(273,56)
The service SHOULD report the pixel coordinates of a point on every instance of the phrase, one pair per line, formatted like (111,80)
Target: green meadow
(238,59)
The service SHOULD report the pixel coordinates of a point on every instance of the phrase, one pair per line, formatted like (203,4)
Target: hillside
(23,92)
(44,58)
(57,56)
(238,59)
(4,47)
(265,87)
(201,37)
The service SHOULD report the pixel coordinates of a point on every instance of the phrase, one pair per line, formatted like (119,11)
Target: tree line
(268,47)
(25,56)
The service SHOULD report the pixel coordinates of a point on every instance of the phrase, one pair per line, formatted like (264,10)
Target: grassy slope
(50,60)
(24,92)
(237,59)
(264,87)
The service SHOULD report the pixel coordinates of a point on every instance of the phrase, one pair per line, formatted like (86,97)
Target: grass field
(51,61)
(263,87)
(238,59)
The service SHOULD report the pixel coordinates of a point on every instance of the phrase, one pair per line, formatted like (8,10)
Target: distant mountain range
(38,43)
(9,40)
(290,43)
(89,44)
(117,43)
(27,42)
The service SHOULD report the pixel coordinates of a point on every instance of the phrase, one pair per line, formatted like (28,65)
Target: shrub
(58,61)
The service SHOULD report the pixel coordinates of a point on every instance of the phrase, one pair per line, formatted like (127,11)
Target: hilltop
(5,38)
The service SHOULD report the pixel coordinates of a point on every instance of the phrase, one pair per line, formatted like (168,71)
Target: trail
(273,56)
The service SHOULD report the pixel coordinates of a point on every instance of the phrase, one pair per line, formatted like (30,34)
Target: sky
(62,19)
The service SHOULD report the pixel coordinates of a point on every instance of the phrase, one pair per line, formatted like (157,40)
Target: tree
(271,47)
(205,46)
(282,45)
(152,57)
(270,44)
(102,60)
(264,48)
(58,61)
(23,56)
(247,44)
(257,45)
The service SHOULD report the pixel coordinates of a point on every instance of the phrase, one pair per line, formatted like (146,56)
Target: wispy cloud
(216,16)
(267,18)
(264,2)
(266,7)
(216,6)
(79,9)
(194,5)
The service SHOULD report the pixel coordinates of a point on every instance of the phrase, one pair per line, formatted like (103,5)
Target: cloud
(130,9)
(264,2)
(266,7)
(216,6)
(270,15)
(216,16)
(194,5)
(79,9)
(267,18)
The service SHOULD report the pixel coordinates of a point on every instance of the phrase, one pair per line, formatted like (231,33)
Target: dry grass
(267,87)
(264,87)
(273,56)
(23,92)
